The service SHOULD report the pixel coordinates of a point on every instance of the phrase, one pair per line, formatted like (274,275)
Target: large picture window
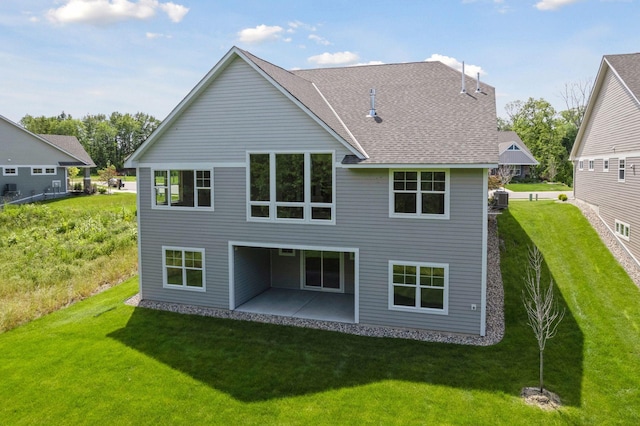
(418,286)
(183,188)
(183,268)
(291,187)
(419,193)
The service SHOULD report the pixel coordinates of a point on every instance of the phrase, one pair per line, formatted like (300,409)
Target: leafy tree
(106,174)
(73,172)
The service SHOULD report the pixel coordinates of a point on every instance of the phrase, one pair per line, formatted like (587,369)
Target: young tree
(505,173)
(72,172)
(107,174)
(543,311)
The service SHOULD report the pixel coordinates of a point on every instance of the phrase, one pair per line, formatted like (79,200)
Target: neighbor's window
(622,230)
(10,171)
(416,193)
(183,188)
(183,268)
(291,186)
(605,165)
(418,286)
(621,165)
(591,165)
(43,170)
(581,165)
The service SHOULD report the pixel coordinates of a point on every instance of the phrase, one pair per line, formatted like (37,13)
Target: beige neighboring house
(513,152)
(33,167)
(606,153)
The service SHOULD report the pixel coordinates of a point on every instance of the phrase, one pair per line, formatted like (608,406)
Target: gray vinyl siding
(239,112)
(29,184)
(457,242)
(612,131)
(25,149)
(285,270)
(251,267)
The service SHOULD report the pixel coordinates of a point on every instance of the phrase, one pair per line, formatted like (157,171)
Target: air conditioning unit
(501,199)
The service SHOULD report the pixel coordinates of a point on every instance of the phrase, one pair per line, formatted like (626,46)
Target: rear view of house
(342,194)
(606,153)
(35,166)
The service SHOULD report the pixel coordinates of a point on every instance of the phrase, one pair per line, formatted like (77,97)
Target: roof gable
(626,70)
(65,150)
(513,150)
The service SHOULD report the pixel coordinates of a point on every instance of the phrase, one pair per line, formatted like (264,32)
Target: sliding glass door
(322,270)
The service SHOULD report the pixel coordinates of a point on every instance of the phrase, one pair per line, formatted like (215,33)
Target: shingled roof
(627,66)
(70,145)
(421,115)
(520,157)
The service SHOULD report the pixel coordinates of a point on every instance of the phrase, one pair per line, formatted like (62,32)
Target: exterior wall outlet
(473,307)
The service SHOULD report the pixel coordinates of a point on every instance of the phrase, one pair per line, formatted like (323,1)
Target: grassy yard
(537,187)
(100,361)
(58,252)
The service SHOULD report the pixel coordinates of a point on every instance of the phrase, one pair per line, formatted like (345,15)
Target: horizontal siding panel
(457,241)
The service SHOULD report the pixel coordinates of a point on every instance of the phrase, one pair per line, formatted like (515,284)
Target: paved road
(130,187)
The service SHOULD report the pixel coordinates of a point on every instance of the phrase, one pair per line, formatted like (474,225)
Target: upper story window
(296,187)
(605,165)
(581,165)
(10,171)
(419,193)
(621,165)
(590,165)
(183,188)
(43,170)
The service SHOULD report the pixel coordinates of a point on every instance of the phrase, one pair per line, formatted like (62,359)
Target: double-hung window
(605,165)
(295,187)
(581,165)
(183,268)
(183,188)
(420,287)
(621,165)
(419,193)
(590,164)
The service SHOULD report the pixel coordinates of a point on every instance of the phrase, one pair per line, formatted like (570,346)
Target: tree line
(549,134)
(109,140)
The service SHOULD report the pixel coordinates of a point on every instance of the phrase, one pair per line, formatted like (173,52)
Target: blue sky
(99,56)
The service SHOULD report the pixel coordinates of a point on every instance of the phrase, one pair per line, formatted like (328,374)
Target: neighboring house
(606,153)
(35,166)
(514,153)
(310,192)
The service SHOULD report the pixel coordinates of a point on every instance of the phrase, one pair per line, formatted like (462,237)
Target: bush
(102,190)
(494,182)
(77,186)
(562,197)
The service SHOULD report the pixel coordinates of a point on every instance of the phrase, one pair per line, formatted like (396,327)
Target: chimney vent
(372,110)
(464,86)
(478,84)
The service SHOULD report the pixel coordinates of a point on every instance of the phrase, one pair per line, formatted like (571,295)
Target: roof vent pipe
(478,83)
(372,110)
(464,87)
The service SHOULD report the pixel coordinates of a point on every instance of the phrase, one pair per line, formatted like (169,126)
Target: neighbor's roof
(422,117)
(71,145)
(522,157)
(626,68)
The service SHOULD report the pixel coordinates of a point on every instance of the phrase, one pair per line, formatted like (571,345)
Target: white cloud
(553,4)
(294,25)
(470,70)
(260,33)
(320,40)
(103,12)
(338,58)
(152,36)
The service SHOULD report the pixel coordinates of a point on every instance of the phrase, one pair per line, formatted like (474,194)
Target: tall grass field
(62,251)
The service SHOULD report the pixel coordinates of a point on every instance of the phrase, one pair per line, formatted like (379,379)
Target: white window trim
(419,214)
(183,287)
(620,230)
(580,164)
(306,204)
(591,164)
(605,165)
(624,164)
(44,170)
(6,173)
(194,168)
(287,252)
(303,270)
(518,170)
(443,311)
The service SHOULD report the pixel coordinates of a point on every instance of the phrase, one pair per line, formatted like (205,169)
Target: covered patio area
(316,305)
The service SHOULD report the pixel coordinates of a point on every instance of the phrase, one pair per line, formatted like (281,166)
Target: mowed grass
(58,252)
(537,187)
(100,361)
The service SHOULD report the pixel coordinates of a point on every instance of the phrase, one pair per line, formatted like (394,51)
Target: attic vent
(372,110)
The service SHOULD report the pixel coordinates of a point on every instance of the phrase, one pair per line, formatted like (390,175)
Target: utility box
(501,199)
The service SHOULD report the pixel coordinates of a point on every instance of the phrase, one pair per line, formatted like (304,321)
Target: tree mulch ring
(546,400)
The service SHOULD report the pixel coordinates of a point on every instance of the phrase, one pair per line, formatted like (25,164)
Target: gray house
(606,153)
(343,194)
(514,153)
(35,166)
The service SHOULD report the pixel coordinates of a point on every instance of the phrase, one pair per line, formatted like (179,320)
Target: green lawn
(537,187)
(100,361)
